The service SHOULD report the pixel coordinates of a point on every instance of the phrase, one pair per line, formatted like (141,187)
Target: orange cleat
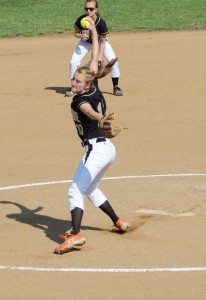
(71,240)
(122,225)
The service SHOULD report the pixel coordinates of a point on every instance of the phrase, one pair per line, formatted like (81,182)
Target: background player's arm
(79,35)
(95,46)
(88,110)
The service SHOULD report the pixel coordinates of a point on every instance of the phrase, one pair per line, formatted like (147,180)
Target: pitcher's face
(79,84)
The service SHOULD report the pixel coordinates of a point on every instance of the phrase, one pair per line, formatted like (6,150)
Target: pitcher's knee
(75,197)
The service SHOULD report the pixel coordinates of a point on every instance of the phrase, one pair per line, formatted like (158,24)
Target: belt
(98,140)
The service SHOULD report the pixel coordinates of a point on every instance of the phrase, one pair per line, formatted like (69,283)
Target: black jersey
(100,24)
(86,127)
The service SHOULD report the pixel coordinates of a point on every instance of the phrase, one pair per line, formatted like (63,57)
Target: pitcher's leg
(103,155)
(107,209)
(76,215)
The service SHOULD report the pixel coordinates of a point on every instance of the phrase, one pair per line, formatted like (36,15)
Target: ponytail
(104,70)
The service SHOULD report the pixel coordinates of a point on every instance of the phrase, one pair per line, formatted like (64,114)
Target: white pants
(88,175)
(83,48)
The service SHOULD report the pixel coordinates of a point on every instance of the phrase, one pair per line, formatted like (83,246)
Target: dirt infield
(160,169)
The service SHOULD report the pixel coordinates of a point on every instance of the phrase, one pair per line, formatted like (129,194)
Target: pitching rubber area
(157,183)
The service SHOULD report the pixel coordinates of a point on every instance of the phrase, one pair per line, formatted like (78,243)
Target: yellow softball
(85,23)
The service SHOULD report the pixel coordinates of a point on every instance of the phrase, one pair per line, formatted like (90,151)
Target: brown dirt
(164,103)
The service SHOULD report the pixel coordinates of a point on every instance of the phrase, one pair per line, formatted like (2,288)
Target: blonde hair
(96,5)
(91,76)
(88,74)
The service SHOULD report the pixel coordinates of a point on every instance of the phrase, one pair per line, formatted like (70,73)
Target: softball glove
(108,128)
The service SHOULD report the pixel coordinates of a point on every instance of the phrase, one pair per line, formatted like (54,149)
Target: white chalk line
(32,185)
(106,178)
(105,270)
(192,269)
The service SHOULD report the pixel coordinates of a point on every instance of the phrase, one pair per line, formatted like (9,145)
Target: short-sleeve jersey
(100,24)
(87,128)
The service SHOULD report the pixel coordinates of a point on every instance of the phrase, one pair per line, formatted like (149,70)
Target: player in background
(88,108)
(85,45)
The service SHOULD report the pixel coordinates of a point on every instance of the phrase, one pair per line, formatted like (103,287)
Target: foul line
(106,178)
(90,270)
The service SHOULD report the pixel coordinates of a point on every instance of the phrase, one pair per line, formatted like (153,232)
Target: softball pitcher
(85,45)
(88,107)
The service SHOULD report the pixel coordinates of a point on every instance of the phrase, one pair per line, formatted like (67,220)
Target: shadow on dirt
(52,227)
(62,90)
(57,89)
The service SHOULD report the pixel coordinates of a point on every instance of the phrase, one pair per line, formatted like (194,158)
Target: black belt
(98,140)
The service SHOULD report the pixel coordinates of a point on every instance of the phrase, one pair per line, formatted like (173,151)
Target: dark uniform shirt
(100,24)
(87,128)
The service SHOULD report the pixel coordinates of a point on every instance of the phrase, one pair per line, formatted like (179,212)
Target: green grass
(35,17)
